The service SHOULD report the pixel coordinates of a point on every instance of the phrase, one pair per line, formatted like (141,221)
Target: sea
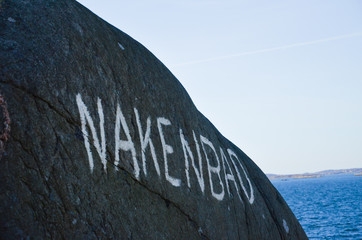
(327,207)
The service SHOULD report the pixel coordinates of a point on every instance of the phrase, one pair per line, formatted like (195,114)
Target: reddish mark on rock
(5,132)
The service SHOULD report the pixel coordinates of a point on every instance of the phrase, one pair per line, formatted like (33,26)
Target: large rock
(106,143)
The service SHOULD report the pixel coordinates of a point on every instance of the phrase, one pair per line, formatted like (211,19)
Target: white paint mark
(146,141)
(10,19)
(84,118)
(228,176)
(263,216)
(200,230)
(212,169)
(285,225)
(167,149)
(251,197)
(127,145)
(74,221)
(78,27)
(188,152)
(120,45)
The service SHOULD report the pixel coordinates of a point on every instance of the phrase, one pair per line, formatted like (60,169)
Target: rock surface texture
(99,140)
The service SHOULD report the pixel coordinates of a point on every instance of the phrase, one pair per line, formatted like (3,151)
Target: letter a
(251,196)
(122,144)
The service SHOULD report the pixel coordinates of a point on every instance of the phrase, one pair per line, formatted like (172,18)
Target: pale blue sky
(280,79)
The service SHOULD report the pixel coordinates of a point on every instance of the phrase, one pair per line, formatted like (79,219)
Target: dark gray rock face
(106,143)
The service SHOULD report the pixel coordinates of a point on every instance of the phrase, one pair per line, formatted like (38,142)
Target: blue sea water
(329,207)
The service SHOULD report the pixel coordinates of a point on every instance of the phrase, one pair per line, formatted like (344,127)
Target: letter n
(86,118)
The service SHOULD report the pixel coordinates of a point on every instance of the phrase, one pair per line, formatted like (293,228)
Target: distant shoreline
(355,171)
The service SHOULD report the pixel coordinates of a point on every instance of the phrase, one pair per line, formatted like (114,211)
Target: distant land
(355,171)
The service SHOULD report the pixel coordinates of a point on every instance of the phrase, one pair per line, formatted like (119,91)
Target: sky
(281,79)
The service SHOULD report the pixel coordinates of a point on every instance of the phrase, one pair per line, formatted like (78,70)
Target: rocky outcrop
(99,140)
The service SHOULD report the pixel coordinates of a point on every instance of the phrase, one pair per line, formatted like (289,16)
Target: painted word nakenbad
(229,170)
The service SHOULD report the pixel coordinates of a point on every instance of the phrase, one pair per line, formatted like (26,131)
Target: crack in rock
(5,128)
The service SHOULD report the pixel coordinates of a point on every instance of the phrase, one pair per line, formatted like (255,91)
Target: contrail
(270,49)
